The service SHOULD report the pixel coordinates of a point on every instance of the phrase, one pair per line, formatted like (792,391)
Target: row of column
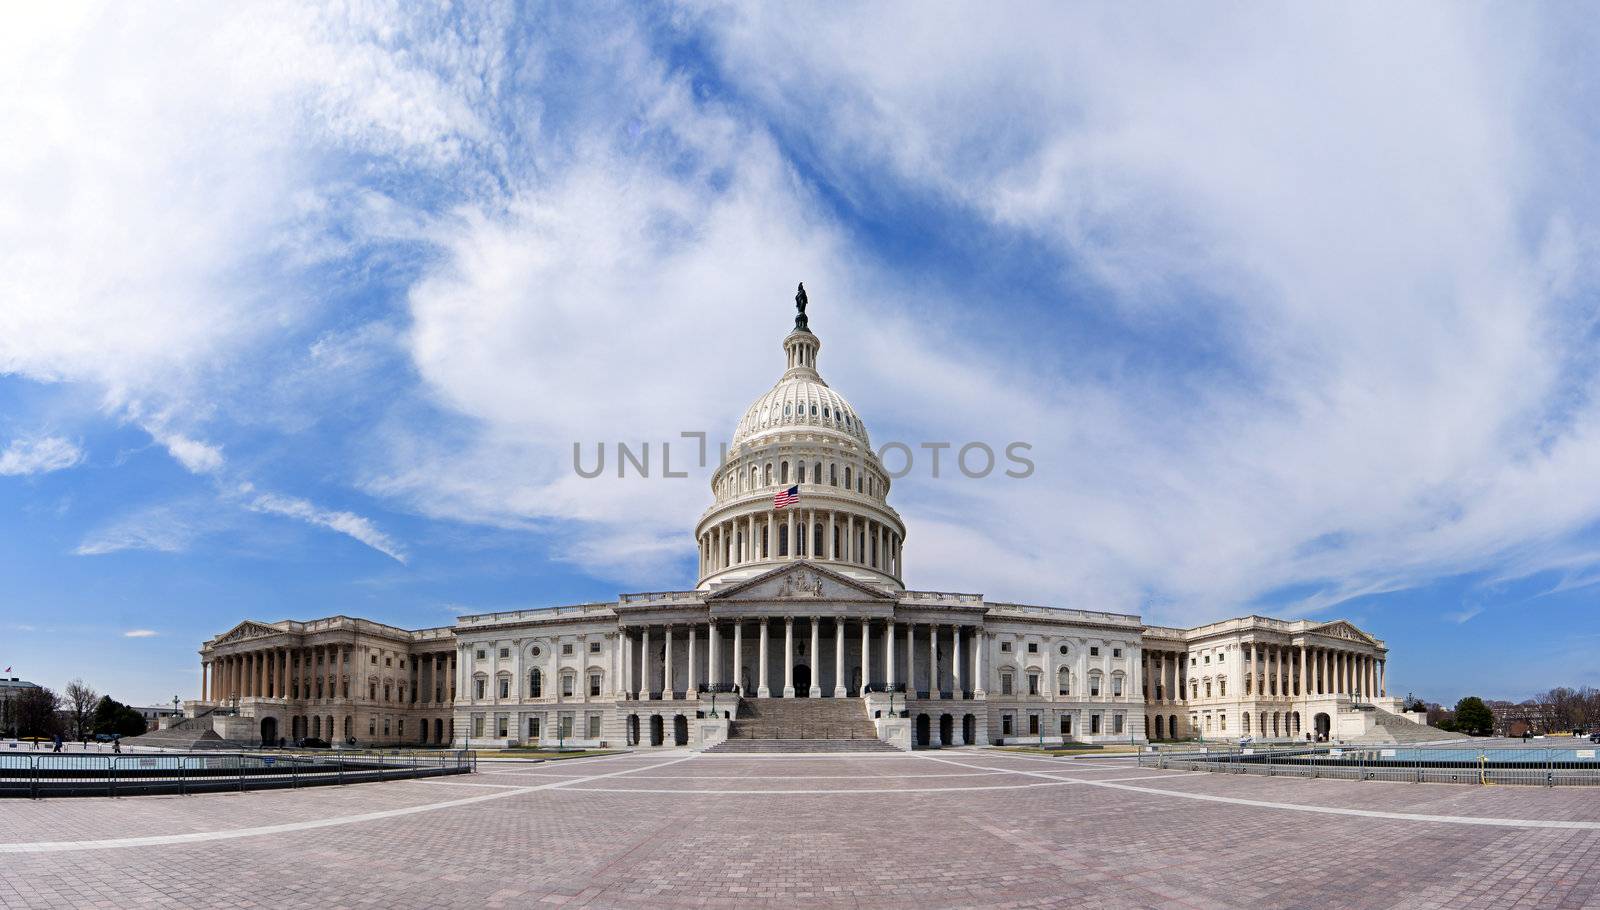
(1334,671)
(654,676)
(1165,675)
(793,535)
(273,672)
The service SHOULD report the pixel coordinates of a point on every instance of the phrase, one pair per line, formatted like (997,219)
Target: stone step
(802,719)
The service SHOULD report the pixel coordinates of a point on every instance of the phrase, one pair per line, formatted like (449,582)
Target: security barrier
(139,774)
(1416,764)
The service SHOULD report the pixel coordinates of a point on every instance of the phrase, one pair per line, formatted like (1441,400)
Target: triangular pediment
(1341,629)
(801,581)
(247,629)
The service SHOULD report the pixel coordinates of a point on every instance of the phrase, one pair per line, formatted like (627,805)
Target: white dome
(798,402)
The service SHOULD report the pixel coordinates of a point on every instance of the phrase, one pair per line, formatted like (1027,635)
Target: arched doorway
(269,731)
(1172,726)
(680,730)
(923,729)
(969,730)
(633,730)
(1323,725)
(1158,726)
(802,681)
(316,727)
(438,730)
(656,735)
(947,729)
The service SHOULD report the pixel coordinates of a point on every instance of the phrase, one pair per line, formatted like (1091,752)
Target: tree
(114,718)
(1415,704)
(36,713)
(1473,717)
(80,699)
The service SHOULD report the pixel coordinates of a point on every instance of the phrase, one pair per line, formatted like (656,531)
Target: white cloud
(346,523)
(196,457)
(39,455)
(169,528)
(139,633)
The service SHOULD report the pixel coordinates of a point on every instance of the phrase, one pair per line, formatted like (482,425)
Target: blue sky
(302,311)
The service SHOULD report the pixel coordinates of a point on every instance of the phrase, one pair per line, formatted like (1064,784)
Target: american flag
(786,497)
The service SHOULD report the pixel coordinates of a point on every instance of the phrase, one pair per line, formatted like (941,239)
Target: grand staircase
(192,734)
(802,725)
(1392,729)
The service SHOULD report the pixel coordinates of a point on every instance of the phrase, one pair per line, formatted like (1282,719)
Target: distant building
(10,689)
(152,714)
(1528,717)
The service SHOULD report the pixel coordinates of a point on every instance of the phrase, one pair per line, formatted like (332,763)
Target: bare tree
(36,713)
(81,699)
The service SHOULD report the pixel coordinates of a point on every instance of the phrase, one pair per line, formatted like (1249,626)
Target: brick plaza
(965,827)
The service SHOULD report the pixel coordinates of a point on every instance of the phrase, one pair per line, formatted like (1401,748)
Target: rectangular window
(1005,724)
(1222,720)
(533,729)
(1033,725)
(1005,683)
(1094,723)
(1094,687)
(1116,652)
(505,653)
(482,654)
(478,688)
(400,727)
(1066,725)
(374,658)
(566,685)
(566,648)
(505,688)
(1033,684)
(594,684)
(594,726)
(1033,647)
(477,725)
(388,661)
(372,726)
(1005,646)
(1116,724)
(1116,687)
(500,725)
(1094,650)
(566,726)
(594,647)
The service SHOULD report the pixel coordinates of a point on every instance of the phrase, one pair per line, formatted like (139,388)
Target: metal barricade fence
(1525,766)
(127,774)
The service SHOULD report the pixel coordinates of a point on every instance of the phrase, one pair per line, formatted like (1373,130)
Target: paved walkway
(951,828)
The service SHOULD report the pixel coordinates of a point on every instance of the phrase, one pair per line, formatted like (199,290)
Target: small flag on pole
(786,497)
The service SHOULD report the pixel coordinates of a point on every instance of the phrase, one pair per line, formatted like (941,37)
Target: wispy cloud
(139,633)
(167,528)
(347,523)
(39,455)
(1465,614)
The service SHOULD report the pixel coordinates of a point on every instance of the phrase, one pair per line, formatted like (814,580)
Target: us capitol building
(799,627)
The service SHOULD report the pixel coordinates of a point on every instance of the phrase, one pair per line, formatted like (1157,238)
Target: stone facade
(794,599)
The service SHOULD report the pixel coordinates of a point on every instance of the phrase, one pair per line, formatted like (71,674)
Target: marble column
(762,689)
(816,659)
(668,687)
(713,669)
(888,654)
(788,641)
(691,684)
(738,656)
(955,662)
(933,661)
(980,644)
(838,658)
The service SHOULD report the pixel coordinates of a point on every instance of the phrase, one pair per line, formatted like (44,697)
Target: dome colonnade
(803,434)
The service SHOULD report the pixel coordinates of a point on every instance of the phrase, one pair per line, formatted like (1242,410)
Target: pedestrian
(57,743)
